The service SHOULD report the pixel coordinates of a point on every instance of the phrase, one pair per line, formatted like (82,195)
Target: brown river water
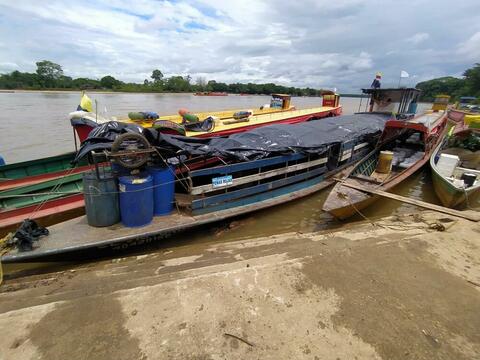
(35,125)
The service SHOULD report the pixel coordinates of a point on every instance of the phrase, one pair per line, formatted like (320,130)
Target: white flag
(404,74)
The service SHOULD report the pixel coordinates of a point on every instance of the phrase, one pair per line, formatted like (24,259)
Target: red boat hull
(52,212)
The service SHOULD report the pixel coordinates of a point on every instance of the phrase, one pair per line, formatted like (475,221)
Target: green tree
(48,72)
(109,82)
(157,76)
(472,80)
(445,85)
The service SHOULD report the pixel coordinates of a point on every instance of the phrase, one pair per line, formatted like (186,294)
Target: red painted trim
(53,207)
(36,179)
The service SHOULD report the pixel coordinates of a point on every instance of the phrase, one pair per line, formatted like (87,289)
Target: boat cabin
(330,99)
(280,101)
(401,101)
(440,102)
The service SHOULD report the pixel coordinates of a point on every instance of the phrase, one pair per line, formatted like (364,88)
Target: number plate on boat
(222,181)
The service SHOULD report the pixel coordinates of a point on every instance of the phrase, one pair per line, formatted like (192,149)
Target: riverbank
(406,288)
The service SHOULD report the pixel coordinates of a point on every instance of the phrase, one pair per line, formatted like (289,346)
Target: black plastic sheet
(308,137)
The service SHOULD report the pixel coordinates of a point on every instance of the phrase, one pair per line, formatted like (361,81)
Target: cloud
(470,48)
(315,43)
(8,67)
(418,38)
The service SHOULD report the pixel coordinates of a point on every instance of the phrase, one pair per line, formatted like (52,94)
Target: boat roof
(372,91)
(427,123)
(283,96)
(468,98)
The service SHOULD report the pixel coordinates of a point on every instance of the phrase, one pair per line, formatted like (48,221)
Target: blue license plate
(222,181)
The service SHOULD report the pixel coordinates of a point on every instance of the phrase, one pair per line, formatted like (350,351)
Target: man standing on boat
(376,82)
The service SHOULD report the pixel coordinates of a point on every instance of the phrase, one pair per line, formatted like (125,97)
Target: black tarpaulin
(312,137)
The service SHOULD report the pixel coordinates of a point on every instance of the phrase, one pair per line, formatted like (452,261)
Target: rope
(40,205)
(87,193)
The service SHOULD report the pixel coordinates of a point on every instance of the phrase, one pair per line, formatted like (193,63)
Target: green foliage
(109,82)
(455,87)
(446,85)
(472,80)
(157,75)
(48,73)
(50,76)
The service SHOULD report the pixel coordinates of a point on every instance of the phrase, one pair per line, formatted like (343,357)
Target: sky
(317,43)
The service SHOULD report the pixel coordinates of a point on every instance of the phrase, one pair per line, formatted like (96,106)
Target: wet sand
(406,288)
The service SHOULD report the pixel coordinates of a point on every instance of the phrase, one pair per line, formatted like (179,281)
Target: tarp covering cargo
(309,137)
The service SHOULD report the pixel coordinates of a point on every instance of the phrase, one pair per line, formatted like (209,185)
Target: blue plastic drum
(136,200)
(164,189)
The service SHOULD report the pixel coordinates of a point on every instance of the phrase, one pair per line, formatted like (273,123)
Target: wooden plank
(228,169)
(469,215)
(229,196)
(267,196)
(257,177)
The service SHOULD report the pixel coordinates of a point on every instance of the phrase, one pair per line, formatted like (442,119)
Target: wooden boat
(55,199)
(223,123)
(466,106)
(449,165)
(32,172)
(202,198)
(411,141)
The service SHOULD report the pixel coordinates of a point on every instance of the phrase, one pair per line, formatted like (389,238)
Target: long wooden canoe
(451,192)
(36,171)
(255,185)
(344,202)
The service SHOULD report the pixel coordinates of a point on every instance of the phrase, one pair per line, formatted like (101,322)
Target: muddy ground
(406,288)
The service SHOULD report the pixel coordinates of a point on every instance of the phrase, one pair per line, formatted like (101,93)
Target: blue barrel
(101,198)
(136,200)
(164,189)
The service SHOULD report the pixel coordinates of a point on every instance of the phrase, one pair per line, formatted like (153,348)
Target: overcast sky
(316,43)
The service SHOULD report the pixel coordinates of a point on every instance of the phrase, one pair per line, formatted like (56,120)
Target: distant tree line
(469,85)
(50,76)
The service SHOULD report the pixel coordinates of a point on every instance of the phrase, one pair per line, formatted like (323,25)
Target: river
(35,125)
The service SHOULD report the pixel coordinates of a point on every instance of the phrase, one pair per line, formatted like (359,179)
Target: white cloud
(315,43)
(470,48)
(418,38)
(6,67)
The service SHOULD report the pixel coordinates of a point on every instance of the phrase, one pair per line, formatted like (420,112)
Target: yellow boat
(219,123)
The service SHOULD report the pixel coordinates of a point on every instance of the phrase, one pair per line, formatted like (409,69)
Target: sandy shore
(407,288)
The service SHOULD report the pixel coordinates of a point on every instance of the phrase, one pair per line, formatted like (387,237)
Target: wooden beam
(257,177)
(469,215)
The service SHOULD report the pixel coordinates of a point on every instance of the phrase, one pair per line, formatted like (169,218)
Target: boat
(51,197)
(404,147)
(220,123)
(256,170)
(211,93)
(456,168)
(32,172)
(465,106)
